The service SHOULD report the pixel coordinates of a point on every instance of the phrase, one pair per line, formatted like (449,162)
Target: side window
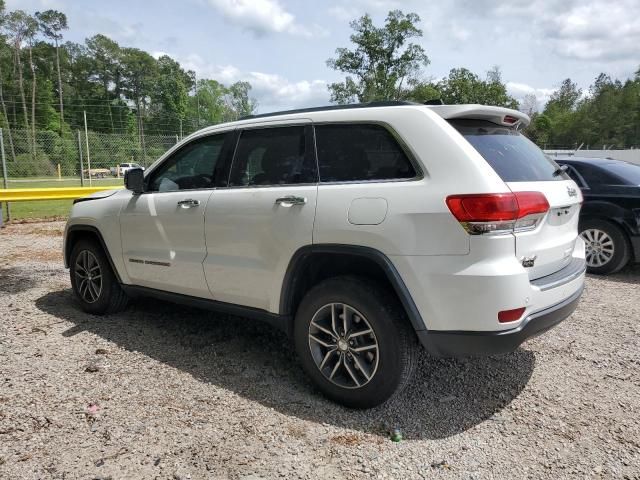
(272,156)
(360,152)
(596,176)
(191,167)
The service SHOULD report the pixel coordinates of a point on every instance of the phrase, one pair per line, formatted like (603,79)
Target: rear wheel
(607,248)
(354,342)
(93,281)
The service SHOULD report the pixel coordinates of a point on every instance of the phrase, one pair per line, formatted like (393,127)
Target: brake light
(510,119)
(510,315)
(498,213)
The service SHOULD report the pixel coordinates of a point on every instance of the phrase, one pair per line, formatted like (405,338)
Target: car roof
(344,112)
(597,161)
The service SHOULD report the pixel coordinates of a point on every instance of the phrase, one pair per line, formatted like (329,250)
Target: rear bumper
(469,343)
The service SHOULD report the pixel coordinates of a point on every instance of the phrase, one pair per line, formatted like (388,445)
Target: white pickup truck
(123,168)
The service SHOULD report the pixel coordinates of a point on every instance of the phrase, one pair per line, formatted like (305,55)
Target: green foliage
(28,165)
(382,64)
(122,90)
(608,115)
(464,86)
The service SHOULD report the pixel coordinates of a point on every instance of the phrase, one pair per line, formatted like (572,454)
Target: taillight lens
(498,213)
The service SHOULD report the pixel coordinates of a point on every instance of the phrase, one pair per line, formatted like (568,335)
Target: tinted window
(360,152)
(627,173)
(512,155)
(192,167)
(573,174)
(596,175)
(272,156)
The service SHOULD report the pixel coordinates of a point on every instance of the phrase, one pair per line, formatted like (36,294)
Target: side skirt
(280,322)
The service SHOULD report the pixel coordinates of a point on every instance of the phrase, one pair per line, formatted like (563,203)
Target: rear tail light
(498,213)
(510,315)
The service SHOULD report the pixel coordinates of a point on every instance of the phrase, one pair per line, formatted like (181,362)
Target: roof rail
(379,103)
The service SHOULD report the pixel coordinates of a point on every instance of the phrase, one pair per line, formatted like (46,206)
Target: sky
(281,46)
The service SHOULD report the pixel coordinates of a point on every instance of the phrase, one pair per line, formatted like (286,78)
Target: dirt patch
(164,391)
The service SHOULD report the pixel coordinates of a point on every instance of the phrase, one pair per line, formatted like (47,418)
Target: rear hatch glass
(524,167)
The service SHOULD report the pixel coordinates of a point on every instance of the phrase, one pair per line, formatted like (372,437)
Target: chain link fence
(75,156)
(46,159)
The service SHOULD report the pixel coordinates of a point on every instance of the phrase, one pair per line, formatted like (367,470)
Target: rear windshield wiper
(560,170)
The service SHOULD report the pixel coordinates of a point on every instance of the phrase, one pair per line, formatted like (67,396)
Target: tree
(170,93)
(529,104)
(565,98)
(239,102)
(52,23)
(464,86)
(3,57)
(139,69)
(382,65)
(19,26)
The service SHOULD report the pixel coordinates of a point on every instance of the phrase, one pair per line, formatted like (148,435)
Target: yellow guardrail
(66,193)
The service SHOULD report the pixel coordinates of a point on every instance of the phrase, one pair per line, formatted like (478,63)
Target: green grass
(50,208)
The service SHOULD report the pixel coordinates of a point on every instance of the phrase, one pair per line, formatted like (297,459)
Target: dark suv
(610,216)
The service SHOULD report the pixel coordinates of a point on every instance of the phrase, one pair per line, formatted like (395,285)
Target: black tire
(621,249)
(397,344)
(110,298)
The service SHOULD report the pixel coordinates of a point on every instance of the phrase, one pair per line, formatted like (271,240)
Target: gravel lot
(163,391)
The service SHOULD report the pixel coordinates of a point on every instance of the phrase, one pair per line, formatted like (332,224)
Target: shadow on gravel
(629,274)
(15,280)
(446,397)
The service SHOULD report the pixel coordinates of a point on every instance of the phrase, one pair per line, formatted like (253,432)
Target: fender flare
(295,270)
(93,230)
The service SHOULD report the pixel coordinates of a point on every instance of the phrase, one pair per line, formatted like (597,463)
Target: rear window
(512,155)
(628,173)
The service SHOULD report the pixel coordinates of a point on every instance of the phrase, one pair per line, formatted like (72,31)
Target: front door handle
(290,200)
(188,203)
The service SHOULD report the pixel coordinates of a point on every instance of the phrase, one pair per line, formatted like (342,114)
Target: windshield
(512,155)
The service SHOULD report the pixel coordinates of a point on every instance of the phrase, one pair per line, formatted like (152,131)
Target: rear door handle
(188,203)
(290,200)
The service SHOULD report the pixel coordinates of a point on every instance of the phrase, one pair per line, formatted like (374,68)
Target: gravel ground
(162,391)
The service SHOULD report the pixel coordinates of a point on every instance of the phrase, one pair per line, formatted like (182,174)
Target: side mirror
(134,180)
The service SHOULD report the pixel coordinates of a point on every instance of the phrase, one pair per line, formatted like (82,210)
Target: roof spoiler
(499,115)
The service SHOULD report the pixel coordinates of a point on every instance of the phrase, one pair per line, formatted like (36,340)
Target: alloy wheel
(599,247)
(343,345)
(88,276)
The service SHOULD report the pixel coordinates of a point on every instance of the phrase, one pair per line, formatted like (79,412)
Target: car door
(255,225)
(162,229)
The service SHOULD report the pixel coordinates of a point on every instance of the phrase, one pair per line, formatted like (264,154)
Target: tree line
(384,64)
(48,84)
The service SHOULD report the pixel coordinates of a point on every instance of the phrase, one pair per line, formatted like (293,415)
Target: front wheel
(607,249)
(354,342)
(93,281)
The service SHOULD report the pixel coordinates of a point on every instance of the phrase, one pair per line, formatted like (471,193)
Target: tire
(379,372)
(104,295)
(607,246)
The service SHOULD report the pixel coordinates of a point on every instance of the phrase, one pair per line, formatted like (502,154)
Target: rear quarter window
(360,152)
(513,156)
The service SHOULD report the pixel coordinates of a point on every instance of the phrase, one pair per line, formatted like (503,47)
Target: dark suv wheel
(607,248)
(93,281)
(354,342)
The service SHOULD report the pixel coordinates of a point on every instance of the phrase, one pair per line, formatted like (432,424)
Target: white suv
(360,230)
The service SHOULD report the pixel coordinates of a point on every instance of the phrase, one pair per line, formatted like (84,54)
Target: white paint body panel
(251,239)
(168,239)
